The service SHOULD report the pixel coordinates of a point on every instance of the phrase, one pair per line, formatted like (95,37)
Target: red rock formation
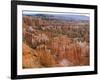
(29,59)
(61,39)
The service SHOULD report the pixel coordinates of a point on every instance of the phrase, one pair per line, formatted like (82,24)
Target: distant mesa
(71,17)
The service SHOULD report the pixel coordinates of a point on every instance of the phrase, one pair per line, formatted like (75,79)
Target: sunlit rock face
(50,42)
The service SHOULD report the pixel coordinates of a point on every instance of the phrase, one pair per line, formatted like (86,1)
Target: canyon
(54,42)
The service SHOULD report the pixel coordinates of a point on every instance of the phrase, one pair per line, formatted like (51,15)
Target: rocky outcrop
(54,43)
(37,58)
